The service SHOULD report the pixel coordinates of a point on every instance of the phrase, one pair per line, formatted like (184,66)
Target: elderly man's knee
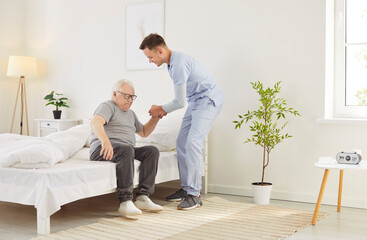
(124,150)
(153,151)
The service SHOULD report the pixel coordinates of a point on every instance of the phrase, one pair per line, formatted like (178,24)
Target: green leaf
(58,102)
(269,120)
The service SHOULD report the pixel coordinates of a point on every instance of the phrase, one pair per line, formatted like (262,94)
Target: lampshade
(22,66)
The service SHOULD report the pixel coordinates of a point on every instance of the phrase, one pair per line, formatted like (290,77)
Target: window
(350,58)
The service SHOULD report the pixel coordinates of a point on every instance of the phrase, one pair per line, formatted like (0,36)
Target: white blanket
(41,152)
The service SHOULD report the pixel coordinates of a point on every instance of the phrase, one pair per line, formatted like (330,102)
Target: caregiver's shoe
(128,209)
(190,202)
(144,203)
(177,196)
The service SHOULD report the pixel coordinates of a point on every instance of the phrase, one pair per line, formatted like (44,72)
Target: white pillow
(40,152)
(166,131)
(72,139)
(86,121)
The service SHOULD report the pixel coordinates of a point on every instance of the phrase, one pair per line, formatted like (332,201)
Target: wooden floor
(18,222)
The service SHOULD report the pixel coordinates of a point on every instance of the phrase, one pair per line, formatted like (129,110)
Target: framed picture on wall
(141,20)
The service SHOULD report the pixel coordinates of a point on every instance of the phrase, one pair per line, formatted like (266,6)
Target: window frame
(340,110)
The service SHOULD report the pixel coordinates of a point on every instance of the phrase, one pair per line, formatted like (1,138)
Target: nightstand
(333,164)
(52,125)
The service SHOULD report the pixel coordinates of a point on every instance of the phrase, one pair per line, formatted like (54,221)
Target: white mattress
(76,178)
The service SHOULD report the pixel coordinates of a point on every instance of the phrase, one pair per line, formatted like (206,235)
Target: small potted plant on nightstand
(267,123)
(57,100)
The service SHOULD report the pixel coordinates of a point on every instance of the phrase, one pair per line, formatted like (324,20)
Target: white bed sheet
(76,178)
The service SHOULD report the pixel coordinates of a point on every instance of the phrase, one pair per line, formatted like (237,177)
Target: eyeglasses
(127,96)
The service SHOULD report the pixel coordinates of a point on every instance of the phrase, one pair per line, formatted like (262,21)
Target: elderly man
(114,126)
(194,82)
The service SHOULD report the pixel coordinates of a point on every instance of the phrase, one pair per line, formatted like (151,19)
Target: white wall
(81,47)
(82,51)
(11,43)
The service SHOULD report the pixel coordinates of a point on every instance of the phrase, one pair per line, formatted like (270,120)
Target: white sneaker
(128,208)
(144,203)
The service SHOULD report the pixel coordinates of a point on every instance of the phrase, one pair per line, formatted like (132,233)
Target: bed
(77,177)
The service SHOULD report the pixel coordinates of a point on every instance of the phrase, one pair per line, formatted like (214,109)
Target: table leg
(317,208)
(340,189)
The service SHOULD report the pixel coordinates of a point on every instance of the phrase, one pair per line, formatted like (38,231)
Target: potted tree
(268,121)
(56,99)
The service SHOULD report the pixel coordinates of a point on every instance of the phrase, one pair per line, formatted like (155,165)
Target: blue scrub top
(199,82)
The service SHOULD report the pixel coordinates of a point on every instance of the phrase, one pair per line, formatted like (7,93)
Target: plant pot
(261,192)
(57,114)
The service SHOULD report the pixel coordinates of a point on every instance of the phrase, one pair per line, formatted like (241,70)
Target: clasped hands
(157,111)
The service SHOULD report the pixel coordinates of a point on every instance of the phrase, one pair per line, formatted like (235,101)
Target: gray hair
(118,84)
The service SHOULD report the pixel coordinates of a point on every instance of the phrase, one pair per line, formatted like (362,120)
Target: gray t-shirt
(120,126)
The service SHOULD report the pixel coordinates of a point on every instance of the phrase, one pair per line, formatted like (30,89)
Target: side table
(55,124)
(333,165)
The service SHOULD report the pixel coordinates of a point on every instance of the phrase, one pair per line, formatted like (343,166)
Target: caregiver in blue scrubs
(192,81)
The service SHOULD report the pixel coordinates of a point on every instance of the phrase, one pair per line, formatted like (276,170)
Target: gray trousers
(123,156)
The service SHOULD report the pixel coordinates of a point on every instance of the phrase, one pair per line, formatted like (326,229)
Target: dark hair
(152,41)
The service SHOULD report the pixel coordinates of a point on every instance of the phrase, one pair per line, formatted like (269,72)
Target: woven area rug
(216,219)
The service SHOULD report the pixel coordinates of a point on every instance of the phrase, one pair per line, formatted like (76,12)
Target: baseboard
(176,184)
(290,196)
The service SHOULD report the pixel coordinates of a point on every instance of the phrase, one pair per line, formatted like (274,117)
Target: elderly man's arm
(148,127)
(97,124)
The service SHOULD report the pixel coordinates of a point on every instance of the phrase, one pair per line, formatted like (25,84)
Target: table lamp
(21,66)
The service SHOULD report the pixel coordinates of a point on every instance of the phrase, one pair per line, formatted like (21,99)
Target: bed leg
(43,225)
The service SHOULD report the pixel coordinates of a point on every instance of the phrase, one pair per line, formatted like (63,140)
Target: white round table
(333,164)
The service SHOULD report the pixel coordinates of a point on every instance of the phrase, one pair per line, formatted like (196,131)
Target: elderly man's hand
(106,150)
(157,111)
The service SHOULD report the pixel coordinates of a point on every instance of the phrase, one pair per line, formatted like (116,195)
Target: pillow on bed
(39,152)
(72,139)
(166,131)
(86,121)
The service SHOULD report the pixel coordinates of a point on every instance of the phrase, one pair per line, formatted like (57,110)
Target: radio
(348,158)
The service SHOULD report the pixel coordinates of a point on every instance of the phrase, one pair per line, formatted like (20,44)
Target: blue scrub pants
(196,124)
